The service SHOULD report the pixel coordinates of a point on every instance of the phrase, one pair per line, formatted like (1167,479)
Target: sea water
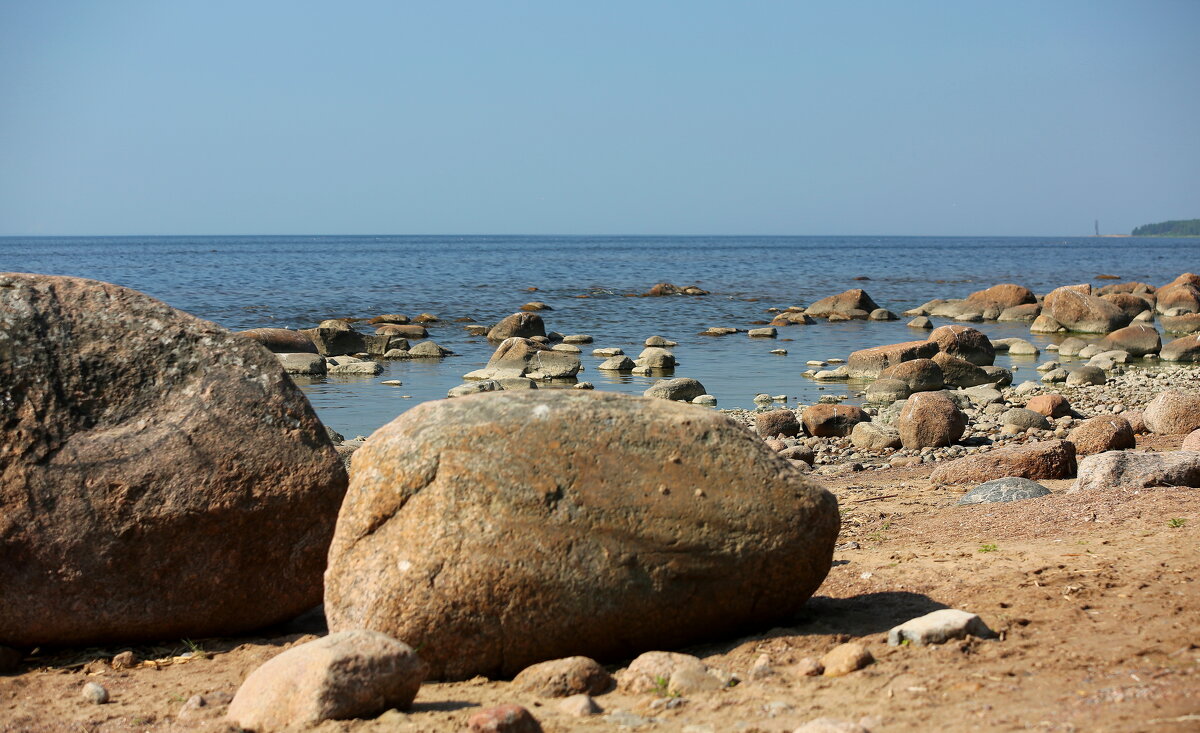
(298,281)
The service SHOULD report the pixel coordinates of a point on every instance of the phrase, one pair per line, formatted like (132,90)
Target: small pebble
(95,693)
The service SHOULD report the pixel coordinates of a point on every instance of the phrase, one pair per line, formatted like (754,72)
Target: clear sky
(856,117)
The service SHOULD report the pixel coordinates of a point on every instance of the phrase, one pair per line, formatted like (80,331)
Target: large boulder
(1020,313)
(1131,305)
(336,338)
(960,372)
(1178,298)
(1005,295)
(871,362)
(1050,459)
(1186,323)
(648,523)
(930,419)
(1185,348)
(1129,469)
(1173,413)
(1138,340)
(280,340)
(921,375)
(1082,312)
(873,437)
(350,674)
(1126,287)
(683,389)
(1050,405)
(1098,434)
(159,477)
(852,303)
(826,421)
(518,325)
(519,357)
(777,422)
(965,343)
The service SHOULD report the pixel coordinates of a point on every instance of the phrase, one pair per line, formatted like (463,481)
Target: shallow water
(248,282)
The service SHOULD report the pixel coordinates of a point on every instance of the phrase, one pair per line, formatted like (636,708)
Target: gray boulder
(1012,488)
(1129,469)
(681,388)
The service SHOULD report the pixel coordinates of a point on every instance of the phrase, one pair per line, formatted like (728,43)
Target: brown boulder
(1126,287)
(1098,434)
(824,420)
(930,419)
(1173,413)
(792,318)
(509,718)
(408,331)
(159,476)
(1130,305)
(1050,405)
(1078,311)
(1051,459)
(1173,299)
(565,677)
(960,372)
(641,495)
(1024,313)
(870,362)
(1192,441)
(853,303)
(1005,295)
(351,674)
(335,338)
(518,325)
(518,357)
(1138,340)
(1186,323)
(777,422)
(280,340)
(921,375)
(965,343)
(1185,348)
(388,318)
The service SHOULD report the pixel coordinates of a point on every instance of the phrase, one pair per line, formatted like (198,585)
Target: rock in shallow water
(450,539)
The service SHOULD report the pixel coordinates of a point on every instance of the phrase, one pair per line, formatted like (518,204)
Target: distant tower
(1097,227)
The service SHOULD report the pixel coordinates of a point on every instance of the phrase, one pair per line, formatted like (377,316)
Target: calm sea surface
(297,281)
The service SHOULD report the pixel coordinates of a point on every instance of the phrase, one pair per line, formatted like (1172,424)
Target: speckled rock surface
(1007,489)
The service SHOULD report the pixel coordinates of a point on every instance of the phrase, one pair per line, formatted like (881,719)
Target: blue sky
(921,118)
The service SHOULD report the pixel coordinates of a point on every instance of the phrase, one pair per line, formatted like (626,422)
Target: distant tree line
(1180,228)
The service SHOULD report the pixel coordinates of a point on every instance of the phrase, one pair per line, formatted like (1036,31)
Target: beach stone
(706,400)
(536,305)
(1086,374)
(958,372)
(800,452)
(846,658)
(882,314)
(1186,323)
(143,443)
(564,677)
(930,419)
(1136,420)
(1102,433)
(579,706)
(518,383)
(1005,295)
(333,338)
(718,331)
(520,357)
(1050,405)
(1138,340)
(887,390)
(280,340)
(366,368)
(870,362)
(792,318)
(304,363)
(408,331)
(654,357)
(965,343)
(577,338)
(567,348)
(1186,348)
(827,420)
(476,330)
(873,437)
(998,376)
(347,674)
(1010,488)
(428,350)
(777,422)
(1129,469)
(396,318)
(1132,305)
(504,719)
(1090,350)
(487,385)
(1082,312)
(768,333)
(1024,419)
(617,364)
(1192,441)
(1178,298)
(1173,413)
(659,341)
(493,530)
(1071,346)
(1049,459)
(648,672)
(1126,287)
(851,303)
(518,325)
(921,322)
(95,693)
(982,395)
(608,352)
(426,318)
(380,344)
(939,627)
(1045,324)
(661,289)
(1055,375)
(1015,346)
(1020,313)
(680,388)
(921,375)
(831,725)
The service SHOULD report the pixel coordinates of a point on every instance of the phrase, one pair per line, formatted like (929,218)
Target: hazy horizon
(137,118)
